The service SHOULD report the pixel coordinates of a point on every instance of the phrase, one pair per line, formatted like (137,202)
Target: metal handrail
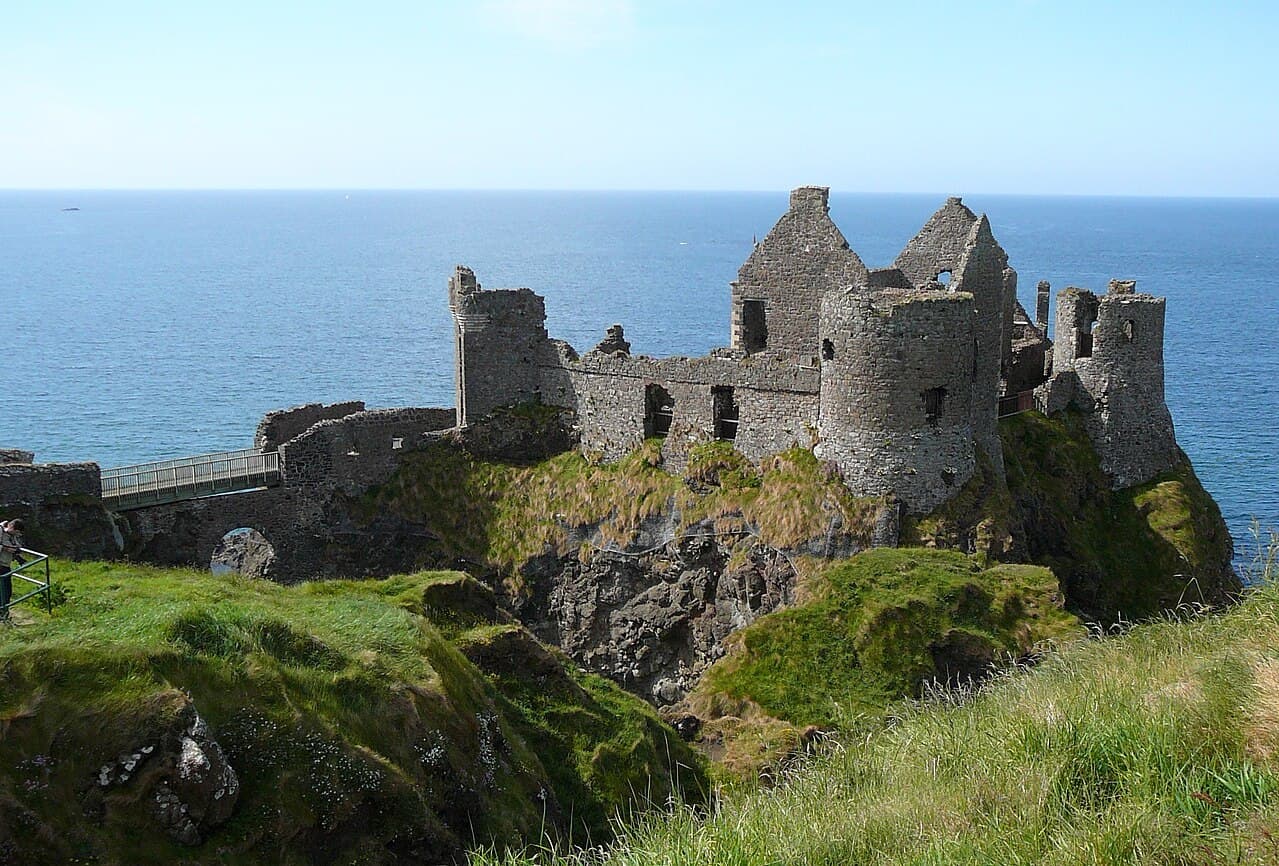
(179,461)
(206,475)
(42,587)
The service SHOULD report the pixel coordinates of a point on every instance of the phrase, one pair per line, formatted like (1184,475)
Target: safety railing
(189,478)
(36,563)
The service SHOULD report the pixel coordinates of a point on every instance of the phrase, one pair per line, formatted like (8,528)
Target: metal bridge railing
(36,564)
(189,478)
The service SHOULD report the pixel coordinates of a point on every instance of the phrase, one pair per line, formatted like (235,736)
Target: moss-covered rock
(1126,553)
(875,628)
(1118,553)
(362,720)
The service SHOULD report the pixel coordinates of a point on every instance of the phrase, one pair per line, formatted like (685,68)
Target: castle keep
(894,375)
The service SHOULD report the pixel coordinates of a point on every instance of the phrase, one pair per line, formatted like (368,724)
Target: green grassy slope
(366,720)
(874,628)
(1160,746)
(1118,554)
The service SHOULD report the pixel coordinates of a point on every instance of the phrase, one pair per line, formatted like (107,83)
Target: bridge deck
(189,478)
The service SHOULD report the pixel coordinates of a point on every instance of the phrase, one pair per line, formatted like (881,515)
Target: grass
(503,515)
(1123,554)
(1160,745)
(875,628)
(361,718)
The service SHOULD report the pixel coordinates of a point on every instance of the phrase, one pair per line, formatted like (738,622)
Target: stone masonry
(895,376)
(1108,362)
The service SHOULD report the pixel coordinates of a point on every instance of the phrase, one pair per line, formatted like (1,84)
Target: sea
(148,325)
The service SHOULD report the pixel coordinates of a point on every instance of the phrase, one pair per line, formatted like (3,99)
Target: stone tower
(956,251)
(500,342)
(1108,362)
(895,410)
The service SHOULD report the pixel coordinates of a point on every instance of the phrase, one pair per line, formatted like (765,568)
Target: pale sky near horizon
(1022,96)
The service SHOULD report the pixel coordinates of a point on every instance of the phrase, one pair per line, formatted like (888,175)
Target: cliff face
(1118,553)
(638,574)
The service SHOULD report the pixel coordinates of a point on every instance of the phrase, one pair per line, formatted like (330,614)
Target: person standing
(10,550)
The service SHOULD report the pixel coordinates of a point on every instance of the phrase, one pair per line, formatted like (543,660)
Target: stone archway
(243,551)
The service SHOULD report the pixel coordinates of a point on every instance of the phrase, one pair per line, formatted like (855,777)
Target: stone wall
(358,450)
(280,426)
(983,272)
(500,338)
(61,505)
(10,456)
(33,484)
(802,258)
(776,401)
(1108,363)
(1027,365)
(896,398)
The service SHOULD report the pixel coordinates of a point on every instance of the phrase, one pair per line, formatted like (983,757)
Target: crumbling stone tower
(1108,362)
(499,337)
(957,249)
(896,410)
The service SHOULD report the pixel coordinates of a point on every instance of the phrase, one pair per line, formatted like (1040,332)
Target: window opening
(942,278)
(1130,330)
(934,404)
(828,350)
(659,410)
(754,327)
(724,408)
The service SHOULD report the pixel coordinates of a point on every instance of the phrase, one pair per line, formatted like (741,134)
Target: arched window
(828,350)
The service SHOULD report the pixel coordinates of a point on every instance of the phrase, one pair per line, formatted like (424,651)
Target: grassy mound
(366,721)
(1159,746)
(1127,553)
(875,628)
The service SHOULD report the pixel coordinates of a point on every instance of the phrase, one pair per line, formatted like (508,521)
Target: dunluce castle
(895,375)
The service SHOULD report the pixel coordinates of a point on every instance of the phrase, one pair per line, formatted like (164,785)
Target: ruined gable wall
(940,244)
(280,426)
(888,350)
(802,258)
(983,273)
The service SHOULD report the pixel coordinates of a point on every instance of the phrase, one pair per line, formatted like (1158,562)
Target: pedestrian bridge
(165,481)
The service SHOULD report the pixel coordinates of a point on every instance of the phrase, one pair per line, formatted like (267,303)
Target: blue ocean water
(148,325)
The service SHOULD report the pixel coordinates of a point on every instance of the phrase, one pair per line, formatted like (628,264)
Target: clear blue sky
(1023,96)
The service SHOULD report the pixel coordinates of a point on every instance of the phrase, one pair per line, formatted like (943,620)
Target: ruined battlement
(894,375)
(1108,362)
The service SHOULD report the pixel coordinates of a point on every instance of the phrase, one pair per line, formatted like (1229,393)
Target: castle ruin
(897,376)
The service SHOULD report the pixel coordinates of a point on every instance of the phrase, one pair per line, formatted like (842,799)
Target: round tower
(895,409)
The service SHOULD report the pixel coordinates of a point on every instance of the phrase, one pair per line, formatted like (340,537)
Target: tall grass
(1157,746)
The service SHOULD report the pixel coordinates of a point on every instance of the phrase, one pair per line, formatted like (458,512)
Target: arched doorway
(243,551)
